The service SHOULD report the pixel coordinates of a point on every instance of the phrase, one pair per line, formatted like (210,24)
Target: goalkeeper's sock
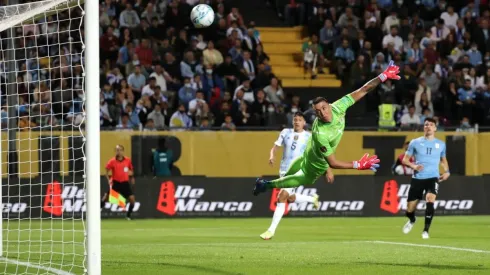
(278,213)
(102,204)
(429,214)
(410,216)
(130,210)
(303,198)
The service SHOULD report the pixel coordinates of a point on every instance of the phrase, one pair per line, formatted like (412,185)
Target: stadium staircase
(283,45)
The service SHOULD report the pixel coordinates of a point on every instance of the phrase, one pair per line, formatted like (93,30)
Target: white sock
(280,207)
(303,198)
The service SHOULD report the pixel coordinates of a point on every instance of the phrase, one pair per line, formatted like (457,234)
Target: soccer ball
(202,16)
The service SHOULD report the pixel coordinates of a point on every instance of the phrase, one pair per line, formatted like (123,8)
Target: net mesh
(42,139)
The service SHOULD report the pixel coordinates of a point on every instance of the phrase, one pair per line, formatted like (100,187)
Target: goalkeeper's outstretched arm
(391,72)
(338,164)
(365,89)
(365,163)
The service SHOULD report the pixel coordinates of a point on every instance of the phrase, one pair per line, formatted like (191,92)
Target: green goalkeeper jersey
(326,137)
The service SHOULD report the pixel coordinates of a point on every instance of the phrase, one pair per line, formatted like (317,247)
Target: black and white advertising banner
(188,197)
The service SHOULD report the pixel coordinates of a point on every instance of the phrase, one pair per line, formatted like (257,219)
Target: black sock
(429,214)
(130,210)
(102,204)
(410,216)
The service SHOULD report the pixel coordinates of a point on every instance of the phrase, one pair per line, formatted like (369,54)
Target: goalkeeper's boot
(425,235)
(407,227)
(267,235)
(259,186)
(316,203)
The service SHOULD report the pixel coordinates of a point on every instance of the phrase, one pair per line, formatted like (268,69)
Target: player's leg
(430,199)
(294,174)
(105,198)
(291,181)
(299,198)
(132,201)
(415,193)
(278,213)
(294,167)
(129,195)
(282,197)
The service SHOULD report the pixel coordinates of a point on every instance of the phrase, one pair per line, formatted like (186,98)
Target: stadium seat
(284,46)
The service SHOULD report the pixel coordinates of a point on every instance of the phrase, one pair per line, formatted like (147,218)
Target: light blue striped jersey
(427,153)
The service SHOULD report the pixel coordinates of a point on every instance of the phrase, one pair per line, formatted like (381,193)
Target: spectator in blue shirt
(180,118)
(414,55)
(428,4)
(188,65)
(23,107)
(210,82)
(385,4)
(4,117)
(186,93)
(344,52)
(108,93)
(136,81)
(474,55)
(327,35)
(467,101)
(344,56)
(486,94)
(472,8)
(125,53)
(134,119)
(236,52)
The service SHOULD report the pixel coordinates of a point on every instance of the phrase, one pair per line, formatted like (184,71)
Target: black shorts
(420,186)
(123,188)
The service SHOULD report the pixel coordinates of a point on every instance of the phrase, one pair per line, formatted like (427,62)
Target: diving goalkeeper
(327,132)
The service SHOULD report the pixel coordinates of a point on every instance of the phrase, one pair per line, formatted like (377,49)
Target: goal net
(42,139)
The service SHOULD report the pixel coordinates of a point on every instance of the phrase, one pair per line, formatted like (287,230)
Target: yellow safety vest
(386,115)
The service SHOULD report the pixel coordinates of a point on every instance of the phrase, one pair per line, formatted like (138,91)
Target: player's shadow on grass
(428,265)
(193,267)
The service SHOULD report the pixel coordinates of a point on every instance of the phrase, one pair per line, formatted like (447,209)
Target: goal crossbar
(11,16)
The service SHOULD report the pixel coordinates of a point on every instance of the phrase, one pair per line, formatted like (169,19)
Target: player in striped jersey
(429,153)
(294,142)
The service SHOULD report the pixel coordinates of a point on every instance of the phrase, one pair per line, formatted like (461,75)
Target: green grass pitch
(301,246)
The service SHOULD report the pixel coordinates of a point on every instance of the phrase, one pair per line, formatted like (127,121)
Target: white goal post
(50,137)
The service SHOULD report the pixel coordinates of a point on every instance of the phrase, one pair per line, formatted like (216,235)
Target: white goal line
(29,265)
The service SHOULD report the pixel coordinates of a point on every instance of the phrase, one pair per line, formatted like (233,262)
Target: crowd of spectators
(156,70)
(160,72)
(441,46)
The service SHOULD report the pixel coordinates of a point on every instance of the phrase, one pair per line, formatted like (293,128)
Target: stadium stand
(442,47)
(237,73)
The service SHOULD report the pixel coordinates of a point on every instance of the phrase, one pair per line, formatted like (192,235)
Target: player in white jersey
(294,142)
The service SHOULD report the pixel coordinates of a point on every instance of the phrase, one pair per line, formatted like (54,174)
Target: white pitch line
(431,246)
(260,243)
(50,269)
